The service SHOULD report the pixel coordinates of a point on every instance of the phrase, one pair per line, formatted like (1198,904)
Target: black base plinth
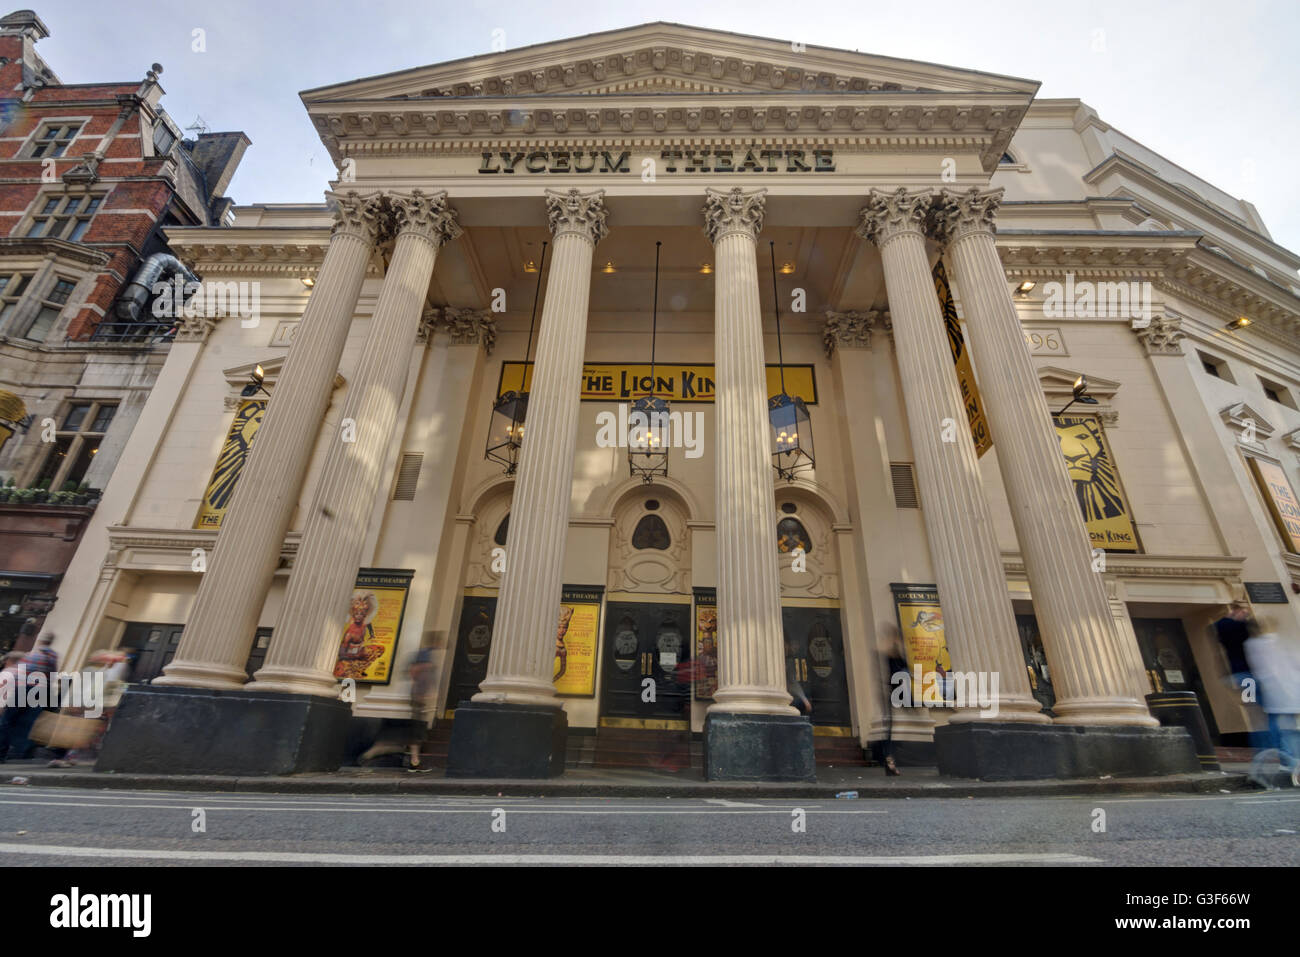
(172,730)
(993,751)
(507,741)
(758,747)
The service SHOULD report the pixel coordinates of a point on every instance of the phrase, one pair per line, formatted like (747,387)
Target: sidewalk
(618,783)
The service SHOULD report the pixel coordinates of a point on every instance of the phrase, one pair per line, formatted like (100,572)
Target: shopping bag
(56,730)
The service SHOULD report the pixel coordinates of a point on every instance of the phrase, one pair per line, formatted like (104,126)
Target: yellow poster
(677,382)
(576,635)
(970,393)
(920,620)
(705,670)
(229,463)
(5,434)
(1281,500)
(1096,483)
(374,623)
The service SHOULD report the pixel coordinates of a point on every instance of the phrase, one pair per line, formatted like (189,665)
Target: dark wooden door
(1167,656)
(473,644)
(646,646)
(814,649)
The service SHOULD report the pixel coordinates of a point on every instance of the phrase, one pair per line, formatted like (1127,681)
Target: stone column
(1090,666)
(752,731)
(306,641)
(514,725)
(222,622)
(979,622)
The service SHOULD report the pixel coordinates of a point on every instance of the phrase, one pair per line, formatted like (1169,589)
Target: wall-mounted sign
(1096,483)
(705,671)
(677,382)
(1045,342)
(576,637)
(920,620)
(234,453)
(669,161)
(970,393)
(1281,499)
(374,625)
(1265,593)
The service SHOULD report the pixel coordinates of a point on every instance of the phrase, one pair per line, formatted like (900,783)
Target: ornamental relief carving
(733,211)
(358,215)
(424,214)
(1161,336)
(577,213)
(850,330)
(662,571)
(955,214)
(887,215)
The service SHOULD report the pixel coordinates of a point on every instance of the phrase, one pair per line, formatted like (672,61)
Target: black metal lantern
(506,430)
(787,415)
(647,441)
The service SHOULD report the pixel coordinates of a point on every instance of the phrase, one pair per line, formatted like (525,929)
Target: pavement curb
(395,783)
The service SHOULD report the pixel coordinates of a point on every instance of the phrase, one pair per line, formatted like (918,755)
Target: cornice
(61,248)
(1118,565)
(182,541)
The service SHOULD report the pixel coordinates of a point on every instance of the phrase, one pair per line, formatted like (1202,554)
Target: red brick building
(90,175)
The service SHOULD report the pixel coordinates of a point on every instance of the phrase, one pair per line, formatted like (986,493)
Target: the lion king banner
(234,453)
(1096,483)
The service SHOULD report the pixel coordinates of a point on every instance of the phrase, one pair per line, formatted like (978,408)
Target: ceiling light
(608,268)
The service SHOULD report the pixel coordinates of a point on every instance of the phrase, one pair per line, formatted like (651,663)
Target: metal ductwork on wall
(159,266)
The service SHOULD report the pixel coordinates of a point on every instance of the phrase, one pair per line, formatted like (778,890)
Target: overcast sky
(1210,85)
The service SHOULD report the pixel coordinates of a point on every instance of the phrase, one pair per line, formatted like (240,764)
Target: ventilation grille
(408,476)
(900,473)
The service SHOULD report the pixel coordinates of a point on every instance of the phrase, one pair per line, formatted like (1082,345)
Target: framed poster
(374,623)
(920,620)
(1096,483)
(577,634)
(705,671)
(234,453)
(1281,499)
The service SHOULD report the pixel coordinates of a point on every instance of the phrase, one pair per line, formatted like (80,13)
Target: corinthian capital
(887,215)
(357,215)
(734,211)
(425,214)
(851,330)
(465,327)
(958,214)
(582,214)
(1162,335)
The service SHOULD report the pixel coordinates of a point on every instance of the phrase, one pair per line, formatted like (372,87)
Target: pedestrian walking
(12,699)
(792,682)
(893,660)
(421,698)
(1275,663)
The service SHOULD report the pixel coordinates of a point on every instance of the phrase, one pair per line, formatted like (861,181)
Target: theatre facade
(916,350)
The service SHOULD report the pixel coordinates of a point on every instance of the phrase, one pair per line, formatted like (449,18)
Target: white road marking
(293,857)
(515,809)
(723,802)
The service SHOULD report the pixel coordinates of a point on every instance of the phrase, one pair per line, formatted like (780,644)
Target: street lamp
(506,429)
(647,451)
(787,415)
(1079,393)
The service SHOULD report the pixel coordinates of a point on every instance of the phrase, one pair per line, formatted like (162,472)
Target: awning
(12,407)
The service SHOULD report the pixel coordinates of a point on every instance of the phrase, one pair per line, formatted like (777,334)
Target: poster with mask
(576,635)
(374,624)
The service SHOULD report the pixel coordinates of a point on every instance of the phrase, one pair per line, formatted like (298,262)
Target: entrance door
(154,647)
(1168,659)
(814,649)
(645,640)
(473,642)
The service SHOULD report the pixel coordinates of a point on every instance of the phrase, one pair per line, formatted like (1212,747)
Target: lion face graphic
(1095,483)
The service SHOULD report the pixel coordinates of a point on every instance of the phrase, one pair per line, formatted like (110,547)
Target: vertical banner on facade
(6,434)
(705,670)
(1281,499)
(970,393)
(576,637)
(920,619)
(374,624)
(1096,483)
(230,462)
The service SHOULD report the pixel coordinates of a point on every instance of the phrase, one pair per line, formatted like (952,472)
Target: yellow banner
(229,463)
(920,620)
(374,624)
(1096,483)
(576,636)
(705,670)
(1281,500)
(677,382)
(970,393)
(5,434)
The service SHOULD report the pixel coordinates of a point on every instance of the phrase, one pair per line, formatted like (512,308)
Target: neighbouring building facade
(1033,402)
(90,175)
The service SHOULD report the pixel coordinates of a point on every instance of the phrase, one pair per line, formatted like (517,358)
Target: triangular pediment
(1057,382)
(667,57)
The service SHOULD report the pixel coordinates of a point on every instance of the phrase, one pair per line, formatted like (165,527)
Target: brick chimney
(20,67)
(217,156)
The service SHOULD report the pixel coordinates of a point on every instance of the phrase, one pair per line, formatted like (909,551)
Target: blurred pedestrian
(1232,630)
(1275,663)
(12,699)
(421,701)
(893,661)
(792,682)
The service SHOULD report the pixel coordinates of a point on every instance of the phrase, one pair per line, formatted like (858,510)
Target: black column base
(507,741)
(994,751)
(758,747)
(171,730)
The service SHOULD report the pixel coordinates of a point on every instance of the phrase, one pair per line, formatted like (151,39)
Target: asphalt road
(65,826)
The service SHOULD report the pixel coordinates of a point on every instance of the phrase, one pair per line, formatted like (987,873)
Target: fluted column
(302,656)
(522,660)
(751,652)
(223,621)
(1090,666)
(979,622)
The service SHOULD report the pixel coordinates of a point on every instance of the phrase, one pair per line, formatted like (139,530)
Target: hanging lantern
(506,430)
(787,415)
(647,441)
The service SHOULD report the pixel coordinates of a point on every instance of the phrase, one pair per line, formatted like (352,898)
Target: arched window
(651,532)
(790,534)
(502,531)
